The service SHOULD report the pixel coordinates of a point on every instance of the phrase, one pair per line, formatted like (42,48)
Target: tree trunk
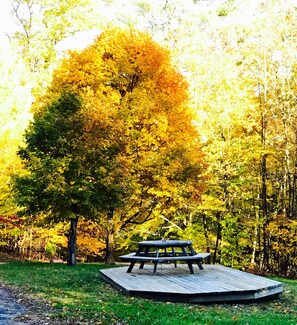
(265,211)
(263,159)
(216,254)
(206,234)
(256,231)
(30,243)
(110,249)
(71,258)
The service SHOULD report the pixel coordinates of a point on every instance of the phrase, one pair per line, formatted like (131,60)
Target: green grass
(79,295)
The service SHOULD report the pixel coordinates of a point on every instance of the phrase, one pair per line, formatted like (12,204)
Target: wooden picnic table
(161,251)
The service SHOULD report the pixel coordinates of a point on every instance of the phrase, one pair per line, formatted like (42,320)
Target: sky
(82,39)
(5,22)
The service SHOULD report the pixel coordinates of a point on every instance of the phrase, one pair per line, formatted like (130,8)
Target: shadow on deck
(214,284)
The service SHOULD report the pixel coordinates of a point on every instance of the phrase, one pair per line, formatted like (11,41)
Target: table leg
(131,267)
(141,265)
(155,267)
(146,251)
(191,267)
(199,265)
(173,254)
(191,249)
(184,251)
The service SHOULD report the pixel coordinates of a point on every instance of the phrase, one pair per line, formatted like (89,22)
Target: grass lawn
(79,296)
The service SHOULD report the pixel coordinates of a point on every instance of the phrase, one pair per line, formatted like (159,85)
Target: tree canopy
(112,136)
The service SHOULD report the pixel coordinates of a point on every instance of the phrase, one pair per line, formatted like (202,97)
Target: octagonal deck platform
(214,284)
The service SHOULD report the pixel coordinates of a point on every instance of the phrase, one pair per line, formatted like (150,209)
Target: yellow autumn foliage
(139,145)
(130,88)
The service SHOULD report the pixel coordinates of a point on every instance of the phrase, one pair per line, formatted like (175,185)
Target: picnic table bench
(164,252)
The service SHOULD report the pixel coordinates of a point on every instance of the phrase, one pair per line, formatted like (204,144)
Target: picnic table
(165,251)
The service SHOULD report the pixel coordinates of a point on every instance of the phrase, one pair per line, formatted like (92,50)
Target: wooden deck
(214,284)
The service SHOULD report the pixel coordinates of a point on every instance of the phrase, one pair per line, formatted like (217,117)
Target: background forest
(239,59)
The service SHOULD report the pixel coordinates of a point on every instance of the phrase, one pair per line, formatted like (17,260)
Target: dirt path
(10,310)
(19,309)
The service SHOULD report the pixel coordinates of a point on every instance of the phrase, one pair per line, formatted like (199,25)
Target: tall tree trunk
(256,242)
(294,196)
(294,189)
(206,234)
(256,231)
(71,258)
(30,243)
(110,249)
(264,211)
(263,158)
(216,254)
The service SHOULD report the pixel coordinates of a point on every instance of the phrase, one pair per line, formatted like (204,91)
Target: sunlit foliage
(239,60)
(113,138)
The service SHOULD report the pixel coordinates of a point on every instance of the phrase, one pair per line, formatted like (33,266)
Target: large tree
(113,137)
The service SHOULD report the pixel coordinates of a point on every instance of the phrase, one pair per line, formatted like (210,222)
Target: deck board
(215,283)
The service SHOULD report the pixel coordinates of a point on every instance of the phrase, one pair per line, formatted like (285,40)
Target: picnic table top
(165,243)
